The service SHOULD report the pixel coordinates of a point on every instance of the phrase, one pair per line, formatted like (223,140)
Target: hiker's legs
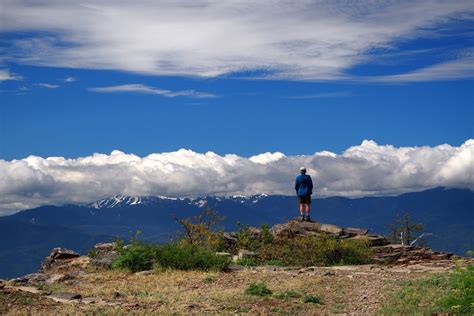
(301,209)
(308,209)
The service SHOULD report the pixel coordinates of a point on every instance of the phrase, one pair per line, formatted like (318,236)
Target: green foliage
(312,299)
(209,279)
(460,298)
(266,235)
(246,261)
(315,250)
(139,256)
(258,289)
(444,292)
(93,253)
(189,257)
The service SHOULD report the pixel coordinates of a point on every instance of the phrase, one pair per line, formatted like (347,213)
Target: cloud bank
(304,40)
(364,170)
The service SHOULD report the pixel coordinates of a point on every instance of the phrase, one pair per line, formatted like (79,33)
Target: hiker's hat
(302,169)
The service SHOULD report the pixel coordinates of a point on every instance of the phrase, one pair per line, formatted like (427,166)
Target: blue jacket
(303,185)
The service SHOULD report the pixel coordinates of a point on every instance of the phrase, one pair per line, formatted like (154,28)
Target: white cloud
(48,85)
(5,75)
(457,69)
(304,40)
(70,79)
(364,170)
(140,88)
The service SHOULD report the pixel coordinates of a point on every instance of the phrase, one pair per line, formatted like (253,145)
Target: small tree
(202,229)
(403,230)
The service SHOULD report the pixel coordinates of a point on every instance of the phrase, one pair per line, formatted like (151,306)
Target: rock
(230,239)
(146,272)
(245,254)
(65,296)
(104,255)
(254,232)
(35,278)
(88,300)
(57,255)
(2,284)
(372,240)
(331,229)
(233,268)
(58,278)
(224,254)
(20,280)
(31,290)
(355,231)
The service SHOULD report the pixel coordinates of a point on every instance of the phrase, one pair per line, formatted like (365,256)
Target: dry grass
(356,289)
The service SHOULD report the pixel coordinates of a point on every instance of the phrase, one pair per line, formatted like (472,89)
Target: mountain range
(28,236)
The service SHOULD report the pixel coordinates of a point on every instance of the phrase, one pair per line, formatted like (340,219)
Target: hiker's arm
(310,186)
(297,185)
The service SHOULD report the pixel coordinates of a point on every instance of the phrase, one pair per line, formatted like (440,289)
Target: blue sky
(231,97)
(410,84)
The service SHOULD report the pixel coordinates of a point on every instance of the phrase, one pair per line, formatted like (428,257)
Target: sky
(212,97)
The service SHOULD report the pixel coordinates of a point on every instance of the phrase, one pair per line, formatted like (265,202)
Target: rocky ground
(68,283)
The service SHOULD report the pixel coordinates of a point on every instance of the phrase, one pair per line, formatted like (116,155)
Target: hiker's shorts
(304,199)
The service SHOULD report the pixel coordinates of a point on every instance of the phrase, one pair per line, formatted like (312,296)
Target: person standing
(304,189)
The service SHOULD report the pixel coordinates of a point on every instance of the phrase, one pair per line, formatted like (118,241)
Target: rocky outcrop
(103,254)
(57,256)
(297,228)
(402,254)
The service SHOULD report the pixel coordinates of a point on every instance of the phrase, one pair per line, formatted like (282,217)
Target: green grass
(444,292)
(139,256)
(246,261)
(258,289)
(312,299)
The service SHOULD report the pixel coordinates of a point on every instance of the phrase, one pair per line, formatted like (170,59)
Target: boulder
(65,297)
(349,231)
(243,253)
(230,239)
(104,254)
(331,229)
(57,255)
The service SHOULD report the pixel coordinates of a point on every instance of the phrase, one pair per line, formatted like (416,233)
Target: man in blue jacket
(304,189)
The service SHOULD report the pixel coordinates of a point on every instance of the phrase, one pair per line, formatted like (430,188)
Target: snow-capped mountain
(120,200)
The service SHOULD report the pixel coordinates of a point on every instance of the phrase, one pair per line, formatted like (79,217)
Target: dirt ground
(354,290)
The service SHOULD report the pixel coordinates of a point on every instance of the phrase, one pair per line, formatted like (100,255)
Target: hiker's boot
(302,218)
(308,219)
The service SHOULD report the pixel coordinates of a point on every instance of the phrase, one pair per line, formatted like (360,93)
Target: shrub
(288,294)
(202,230)
(315,250)
(312,299)
(258,289)
(189,257)
(139,256)
(246,261)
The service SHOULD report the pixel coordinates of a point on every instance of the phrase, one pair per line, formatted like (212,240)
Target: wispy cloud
(366,169)
(5,75)
(70,79)
(303,41)
(462,68)
(48,85)
(143,89)
(337,94)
